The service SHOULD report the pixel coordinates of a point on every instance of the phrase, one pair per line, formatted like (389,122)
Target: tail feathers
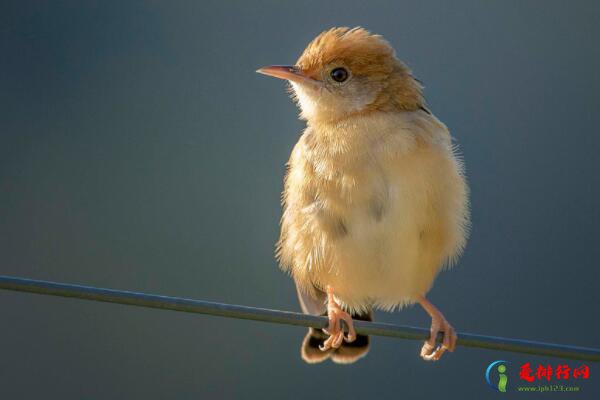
(348,353)
(310,349)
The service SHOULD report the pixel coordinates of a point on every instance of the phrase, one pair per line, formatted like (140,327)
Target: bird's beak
(288,72)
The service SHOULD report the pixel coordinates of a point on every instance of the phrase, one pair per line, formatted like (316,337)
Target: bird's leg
(431,351)
(335,329)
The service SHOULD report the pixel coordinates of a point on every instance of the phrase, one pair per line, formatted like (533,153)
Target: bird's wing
(312,305)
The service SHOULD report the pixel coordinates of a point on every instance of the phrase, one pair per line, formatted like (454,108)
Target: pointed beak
(287,72)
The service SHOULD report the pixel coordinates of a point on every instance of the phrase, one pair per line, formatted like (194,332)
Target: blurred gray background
(140,151)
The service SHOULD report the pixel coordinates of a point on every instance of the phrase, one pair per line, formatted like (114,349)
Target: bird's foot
(335,329)
(431,351)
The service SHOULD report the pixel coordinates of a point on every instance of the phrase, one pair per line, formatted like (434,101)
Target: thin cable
(286,317)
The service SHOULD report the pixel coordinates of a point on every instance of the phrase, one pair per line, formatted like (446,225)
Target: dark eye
(339,74)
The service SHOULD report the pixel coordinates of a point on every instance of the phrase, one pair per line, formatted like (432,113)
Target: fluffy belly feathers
(378,228)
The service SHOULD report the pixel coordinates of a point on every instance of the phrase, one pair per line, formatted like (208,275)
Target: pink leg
(431,352)
(335,330)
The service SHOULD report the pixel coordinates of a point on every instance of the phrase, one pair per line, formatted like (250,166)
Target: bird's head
(345,72)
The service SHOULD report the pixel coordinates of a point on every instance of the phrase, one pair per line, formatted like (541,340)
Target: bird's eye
(339,74)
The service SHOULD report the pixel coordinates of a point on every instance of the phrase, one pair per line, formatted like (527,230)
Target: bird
(375,199)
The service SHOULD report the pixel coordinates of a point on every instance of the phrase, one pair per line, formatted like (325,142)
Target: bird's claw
(431,351)
(335,330)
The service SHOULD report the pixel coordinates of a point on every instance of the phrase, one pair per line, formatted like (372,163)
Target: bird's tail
(347,353)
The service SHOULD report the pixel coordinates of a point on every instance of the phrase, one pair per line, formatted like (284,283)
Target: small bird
(375,201)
